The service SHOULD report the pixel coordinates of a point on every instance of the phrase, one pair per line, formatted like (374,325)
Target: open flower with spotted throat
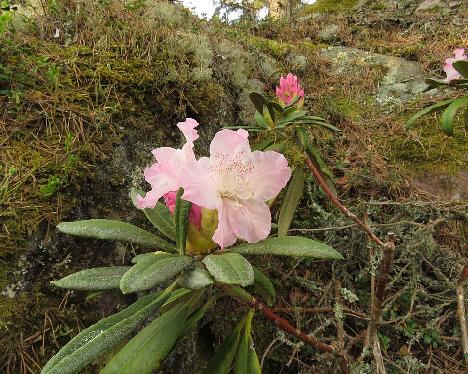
(236,182)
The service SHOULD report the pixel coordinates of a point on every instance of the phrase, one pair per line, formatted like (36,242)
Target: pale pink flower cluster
(448,66)
(234,181)
(289,89)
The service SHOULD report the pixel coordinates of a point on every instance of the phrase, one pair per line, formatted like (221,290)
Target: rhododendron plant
(451,72)
(289,90)
(201,207)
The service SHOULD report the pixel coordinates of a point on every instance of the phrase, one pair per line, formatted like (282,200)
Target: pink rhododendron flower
(164,175)
(448,66)
(195,214)
(289,89)
(236,182)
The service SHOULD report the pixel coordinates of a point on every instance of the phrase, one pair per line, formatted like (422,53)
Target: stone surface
(429,5)
(403,79)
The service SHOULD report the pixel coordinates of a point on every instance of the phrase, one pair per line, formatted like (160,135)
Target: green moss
(330,6)
(429,149)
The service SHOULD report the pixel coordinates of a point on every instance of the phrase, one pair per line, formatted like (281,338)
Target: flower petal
(199,185)
(249,219)
(188,129)
(228,145)
(224,235)
(270,175)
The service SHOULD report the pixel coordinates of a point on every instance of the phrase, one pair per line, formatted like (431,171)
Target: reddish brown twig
(339,204)
(317,310)
(462,312)
(281,323)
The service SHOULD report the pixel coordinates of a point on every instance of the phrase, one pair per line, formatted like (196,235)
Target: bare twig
(339,204)
(462,312)
(317,310)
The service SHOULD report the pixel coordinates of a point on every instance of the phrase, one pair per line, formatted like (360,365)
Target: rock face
(429,6)
(403,79)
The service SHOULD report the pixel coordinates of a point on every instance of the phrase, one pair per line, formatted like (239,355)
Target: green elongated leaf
(152,269)
(302,136)
(293,103)
(253,363)
(241,364)
(145,352)
(269,116)
(277,147)
(264,287)
(258,100)
(114,230)
(195,279)
(181,295)
(160,216)
(261,121)
(297,114)
(465,118)
(461,67)
(97,279)
(275,106)
(291,201)
(432,108)
(99,338)
(195,317)
(324,171)
(181,214)
(261,146)
(320,123)
(295,246)
(448,116)
(223,357)
(434,83)
(230,268)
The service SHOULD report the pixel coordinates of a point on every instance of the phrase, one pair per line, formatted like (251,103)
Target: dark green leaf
(96,279)
(181,295)
(152,269)
(261,146)
(195,279)
(277,147)
(160,216)
(296,246)
(434,83)
(223,357)
(253,364)
(241,363)
(114,230)
(145,352)
(324,171)
(181,214)
(461,67)
(432,108)
(264,287)
(302,136)
(448,116)
(99,338)
(258,100)
(294,116)
(320,123)
(230,268)
(291,201)
(275,106)
(261,121)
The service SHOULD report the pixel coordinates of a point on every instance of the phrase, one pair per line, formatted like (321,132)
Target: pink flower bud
(289,90)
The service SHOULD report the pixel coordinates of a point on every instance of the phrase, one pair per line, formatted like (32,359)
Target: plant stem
(462,312)
(339,204)
(284,325)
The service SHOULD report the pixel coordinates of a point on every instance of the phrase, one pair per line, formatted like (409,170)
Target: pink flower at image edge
(289,89)
(448,66)
(164,175)
(237,183)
